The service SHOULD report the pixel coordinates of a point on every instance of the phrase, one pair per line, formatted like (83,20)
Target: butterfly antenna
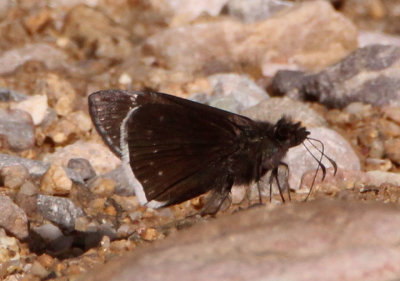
(320,165)
(322,152)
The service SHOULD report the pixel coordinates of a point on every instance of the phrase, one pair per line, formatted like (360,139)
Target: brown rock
(14,176)
(56,181)
(13,218)
(313,241)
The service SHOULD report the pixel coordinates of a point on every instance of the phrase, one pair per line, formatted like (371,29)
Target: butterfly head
(289,134)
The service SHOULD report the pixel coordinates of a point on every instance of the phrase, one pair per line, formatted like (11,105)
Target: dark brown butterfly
(174,149)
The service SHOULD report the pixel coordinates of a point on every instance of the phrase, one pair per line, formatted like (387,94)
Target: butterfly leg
(218,196)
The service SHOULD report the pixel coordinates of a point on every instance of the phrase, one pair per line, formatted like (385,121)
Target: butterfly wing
(108,109)
(174,149)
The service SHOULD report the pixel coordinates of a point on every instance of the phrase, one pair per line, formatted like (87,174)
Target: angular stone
(14,176)
(61,211)
(82,167)
(13,218)
(56,181)
(16,127)
(36,106)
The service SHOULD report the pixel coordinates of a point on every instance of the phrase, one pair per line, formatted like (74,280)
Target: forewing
(176,152)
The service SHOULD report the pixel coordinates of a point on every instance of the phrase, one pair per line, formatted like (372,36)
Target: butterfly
(173,149)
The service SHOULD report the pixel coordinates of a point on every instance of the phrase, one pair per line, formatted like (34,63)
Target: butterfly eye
(282,133)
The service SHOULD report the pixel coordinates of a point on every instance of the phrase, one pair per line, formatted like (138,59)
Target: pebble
(14,176)
(17,128)
(56,181)
(61,211)
(36,106)
(82,167)
(13,218)
(240,87)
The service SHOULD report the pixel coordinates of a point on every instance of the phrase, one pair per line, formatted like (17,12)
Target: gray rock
(241,88)
(61,211)
(255,10)
(35,168)
(122,186)
(17,129)
(13,218)
(7,95)
(83,167)
(368,75)
(74,175)
(313,241)
(49,232)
